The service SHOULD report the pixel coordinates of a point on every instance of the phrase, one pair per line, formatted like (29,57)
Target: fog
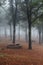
(6,19)
(5,30)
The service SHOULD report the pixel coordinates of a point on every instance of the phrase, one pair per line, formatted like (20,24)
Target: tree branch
(37,8)
(36,18)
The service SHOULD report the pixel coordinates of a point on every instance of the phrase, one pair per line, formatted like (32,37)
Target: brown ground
(22,56)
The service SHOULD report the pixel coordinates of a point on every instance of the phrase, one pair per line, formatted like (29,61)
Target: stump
(17,46)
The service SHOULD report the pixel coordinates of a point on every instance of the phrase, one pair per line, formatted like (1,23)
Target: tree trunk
(42,37)
(10,32)
(14,34)
(19,32)
(29,13)
(42,34)
(5,32)
(39,31)
(14,15)
(39,36)
(29,27)
(14,24)
(30,43)
(26,34)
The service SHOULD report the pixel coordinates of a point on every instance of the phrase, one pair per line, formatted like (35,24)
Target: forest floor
(22,56)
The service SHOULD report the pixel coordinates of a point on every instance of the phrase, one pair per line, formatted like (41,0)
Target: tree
(14,15)
(41,21)
(33,13)
(37,25)
(19,31)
